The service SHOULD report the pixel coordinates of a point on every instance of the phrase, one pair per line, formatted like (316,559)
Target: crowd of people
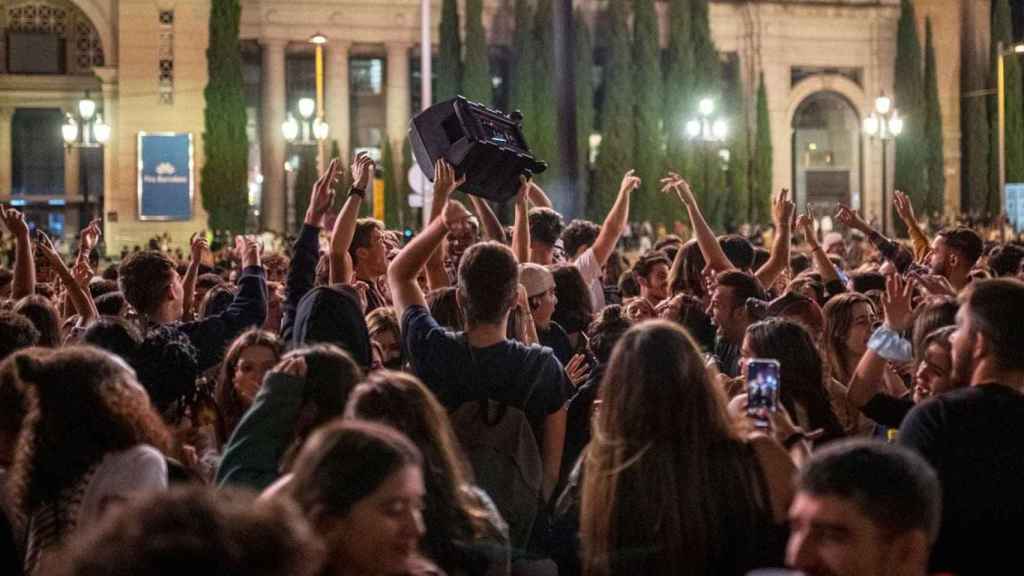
(527,400)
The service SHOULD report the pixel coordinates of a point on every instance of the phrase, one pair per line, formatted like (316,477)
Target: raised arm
(616,219)
(188,283)
(24,282)
(905,208)
(339,260)
(402,272)
(444,184)
(80,297)
(537,196)
(869,377)
(822,264)
(889,249)
(709,247)
(521,227)
(488,220)
(778,261)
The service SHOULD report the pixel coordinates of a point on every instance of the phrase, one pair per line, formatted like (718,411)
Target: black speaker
(485,145)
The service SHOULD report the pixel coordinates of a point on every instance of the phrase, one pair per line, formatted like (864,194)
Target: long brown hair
(668,483)
(80,404)
(402,401)
(230,405)
(838,314)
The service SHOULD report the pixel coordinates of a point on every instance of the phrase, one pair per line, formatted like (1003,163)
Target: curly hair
(402,401)
(16,332)
(80,404)
(44,316)
(546,226)
(143,278)
(224,394)
(605,331)
(577,234)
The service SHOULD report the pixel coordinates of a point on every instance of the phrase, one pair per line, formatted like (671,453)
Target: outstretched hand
(782,208)
(89,237)
(14,221)
(363,168)
(323,193)
(47,250)
(896,303)
(630,182)
(444,178)
(851,219)
(675,183)
(904,207)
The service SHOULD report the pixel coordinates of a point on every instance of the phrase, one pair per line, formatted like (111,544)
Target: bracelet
(792,440)
(353,191)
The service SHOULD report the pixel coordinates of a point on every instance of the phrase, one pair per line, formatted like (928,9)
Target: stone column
(72,162)
(6,176)
(339,109)
(272,144)
(398,95)
(110,202)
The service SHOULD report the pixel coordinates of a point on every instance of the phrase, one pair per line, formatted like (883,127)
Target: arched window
(48,37)
(826,152)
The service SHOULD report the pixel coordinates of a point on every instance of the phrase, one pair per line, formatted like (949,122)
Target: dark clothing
(901,259)
(974,437)
(301,276)
(332,315)
(888,410)
(374,297)
(212,335)
(554,337)
(529,378)
(577,421)
(728,358)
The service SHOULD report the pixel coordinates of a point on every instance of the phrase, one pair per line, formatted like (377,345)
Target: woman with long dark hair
(670,484)
(802,390)
(246,362)
(89,437)
(464,530)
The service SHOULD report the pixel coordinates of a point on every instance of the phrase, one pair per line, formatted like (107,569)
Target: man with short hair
(369,255)
(729,313)
(481,361)
(651,273)
(974,436)
(546,227)
(863,508)
(954,252)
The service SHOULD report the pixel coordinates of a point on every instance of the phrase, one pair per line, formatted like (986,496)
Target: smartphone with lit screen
(762,375)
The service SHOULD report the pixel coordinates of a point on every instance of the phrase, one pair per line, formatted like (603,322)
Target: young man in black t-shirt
(974,437)
(481,362)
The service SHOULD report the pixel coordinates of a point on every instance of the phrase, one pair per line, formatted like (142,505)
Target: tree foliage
(648,115)
(761,167)
(615,155)
(934,159)
(584,100)
(909,86)
(449,64)
(545,120)
(223,176)
(1002,31)
(476,70)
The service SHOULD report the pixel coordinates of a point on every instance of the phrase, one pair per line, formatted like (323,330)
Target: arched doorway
(827,160)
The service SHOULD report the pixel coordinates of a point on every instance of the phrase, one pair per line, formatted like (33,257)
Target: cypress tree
(225,147)
(706,167)
(545,120)
(1002,30)
(909,85)
(738,175)
(449,62)
(761,167)
(679,94)
(584,100)
(476,72)
(523,82)
(934,161)
(304,180)
(648,115)
(615,156)
(976,148)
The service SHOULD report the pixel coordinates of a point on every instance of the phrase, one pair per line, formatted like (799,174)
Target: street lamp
(885,124)
(1002,52)
(704,127)
(84,128)
(310,130)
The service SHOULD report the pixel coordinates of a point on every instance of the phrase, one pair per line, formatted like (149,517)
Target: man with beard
(863,508)
(728,311)
(953,254)
(974,437)
(651,272)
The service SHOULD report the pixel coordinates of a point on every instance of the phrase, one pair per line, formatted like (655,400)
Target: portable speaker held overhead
(485,145)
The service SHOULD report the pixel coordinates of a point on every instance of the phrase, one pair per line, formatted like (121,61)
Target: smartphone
(762,376)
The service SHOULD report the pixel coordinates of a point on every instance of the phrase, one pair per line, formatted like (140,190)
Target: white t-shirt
(138,470)
(590,269)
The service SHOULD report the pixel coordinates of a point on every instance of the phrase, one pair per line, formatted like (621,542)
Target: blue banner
(1015,205)
(165,176)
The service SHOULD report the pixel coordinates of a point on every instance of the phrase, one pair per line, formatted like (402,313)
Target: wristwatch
(353,191)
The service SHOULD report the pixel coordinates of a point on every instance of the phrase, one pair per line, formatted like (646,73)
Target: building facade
(144,63)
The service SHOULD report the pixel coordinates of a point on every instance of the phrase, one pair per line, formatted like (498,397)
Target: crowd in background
(547,397)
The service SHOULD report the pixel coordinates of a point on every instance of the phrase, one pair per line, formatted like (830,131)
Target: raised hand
(806,223)
(14,221)
(904,207)
(630,182)
(896,303)
(851,219)
(198,246)
(782,208)
(363,168)
(47,250)
(675,183)
(578,370)
(249,249)
(444,178)
(82,273)
(322,195)
(89,237)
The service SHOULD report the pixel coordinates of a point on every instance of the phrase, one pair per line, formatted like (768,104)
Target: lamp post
(885,124)
(1001,53)
(310,129)
(85,128)
(711,131)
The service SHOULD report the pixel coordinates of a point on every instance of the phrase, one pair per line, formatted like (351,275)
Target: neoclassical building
(143,62)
